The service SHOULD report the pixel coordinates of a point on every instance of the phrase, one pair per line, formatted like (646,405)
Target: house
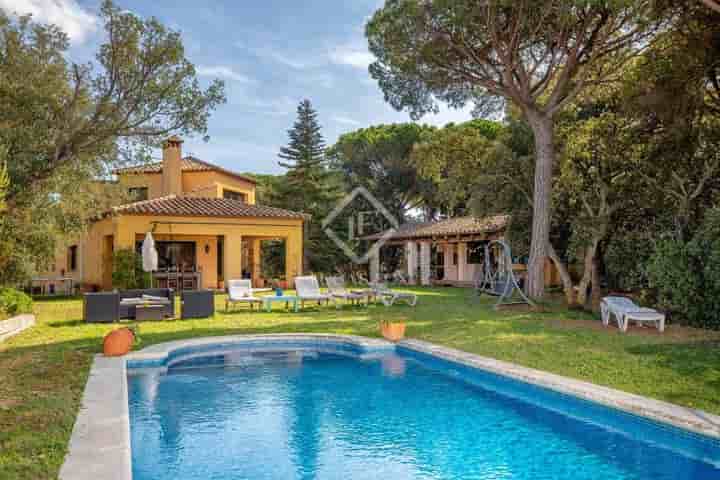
(204,220)
(446,252)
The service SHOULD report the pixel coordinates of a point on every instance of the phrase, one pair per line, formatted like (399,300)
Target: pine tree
(309,186)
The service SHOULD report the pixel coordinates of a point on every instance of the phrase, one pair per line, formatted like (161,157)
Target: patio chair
(389,296)
(625,311)
(240,291)
(336,288)
(197,303)
(308,289)
(101,307)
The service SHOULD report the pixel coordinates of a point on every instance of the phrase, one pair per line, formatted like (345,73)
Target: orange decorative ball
(118,342)
(392,331)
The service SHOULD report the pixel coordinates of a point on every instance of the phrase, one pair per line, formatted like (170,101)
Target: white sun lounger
(625,311)
(336,288)
(308,289)
(240,291)
(389,297)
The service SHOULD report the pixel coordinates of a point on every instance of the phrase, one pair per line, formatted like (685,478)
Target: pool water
(311,415)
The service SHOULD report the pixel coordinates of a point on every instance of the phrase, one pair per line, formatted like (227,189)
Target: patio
(46,367)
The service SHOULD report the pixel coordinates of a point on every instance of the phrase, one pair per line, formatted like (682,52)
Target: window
(476,253)
(220,257)
(232,195)
(138,193)
(72,258)
(176,255)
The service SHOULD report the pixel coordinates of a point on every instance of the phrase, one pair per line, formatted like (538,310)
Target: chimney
(172,166)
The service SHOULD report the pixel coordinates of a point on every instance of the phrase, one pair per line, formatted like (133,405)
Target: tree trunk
(564,276)
(587,274)
(542,127)
(596,292)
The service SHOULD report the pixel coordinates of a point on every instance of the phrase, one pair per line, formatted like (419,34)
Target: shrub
(686,275)
(14,302)
(127,270)
(626,256)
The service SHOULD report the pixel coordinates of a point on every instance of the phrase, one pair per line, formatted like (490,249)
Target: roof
(448,227)
(189,164)
(172,205)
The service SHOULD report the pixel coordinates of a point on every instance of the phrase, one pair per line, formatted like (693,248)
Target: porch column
(411,257)
(375,266)
(447,261)
(425,263)
(233,257)
(462,261)
(256,267)
(293,256)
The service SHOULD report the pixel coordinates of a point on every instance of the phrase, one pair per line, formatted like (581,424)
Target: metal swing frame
(500,282)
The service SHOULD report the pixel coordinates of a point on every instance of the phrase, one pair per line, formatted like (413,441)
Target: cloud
(222,72)
(296,62)
(447,115)
(345,120)
(68,15)
(353,56)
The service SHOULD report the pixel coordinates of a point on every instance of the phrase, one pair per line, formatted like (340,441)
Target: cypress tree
(309,186)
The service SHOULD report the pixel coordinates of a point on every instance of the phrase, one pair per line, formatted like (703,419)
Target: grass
(44,369)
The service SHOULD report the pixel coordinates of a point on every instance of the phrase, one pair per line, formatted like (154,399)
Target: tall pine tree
(309,186)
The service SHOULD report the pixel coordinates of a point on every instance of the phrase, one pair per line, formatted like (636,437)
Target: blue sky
(271,54)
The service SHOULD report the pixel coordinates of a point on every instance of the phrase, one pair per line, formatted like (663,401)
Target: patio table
(152,311)
(288,299)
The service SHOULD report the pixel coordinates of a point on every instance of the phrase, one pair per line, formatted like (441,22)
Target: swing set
(497,277)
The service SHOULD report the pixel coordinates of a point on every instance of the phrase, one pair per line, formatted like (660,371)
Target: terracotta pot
(392,331)
(118,342)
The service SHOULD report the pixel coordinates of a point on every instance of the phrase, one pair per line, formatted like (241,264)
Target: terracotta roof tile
(451,226)
(189,164)
(201,207)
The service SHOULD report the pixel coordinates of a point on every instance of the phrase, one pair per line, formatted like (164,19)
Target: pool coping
(100,443)
(697,421)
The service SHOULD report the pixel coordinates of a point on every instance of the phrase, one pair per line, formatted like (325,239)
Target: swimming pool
(314,410)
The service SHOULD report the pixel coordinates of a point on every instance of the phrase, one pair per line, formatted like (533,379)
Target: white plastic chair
(240,291)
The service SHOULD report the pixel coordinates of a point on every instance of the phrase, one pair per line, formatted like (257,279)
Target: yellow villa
(204,219)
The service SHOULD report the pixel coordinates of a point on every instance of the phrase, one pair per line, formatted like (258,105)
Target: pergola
(451,236)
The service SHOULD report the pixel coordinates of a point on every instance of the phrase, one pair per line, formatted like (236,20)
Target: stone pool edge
(693,420)
(100,442)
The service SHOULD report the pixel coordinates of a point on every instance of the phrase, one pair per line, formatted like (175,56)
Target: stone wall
(15,325)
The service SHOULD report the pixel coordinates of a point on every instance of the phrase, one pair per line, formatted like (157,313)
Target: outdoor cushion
(132,301)
(155,298)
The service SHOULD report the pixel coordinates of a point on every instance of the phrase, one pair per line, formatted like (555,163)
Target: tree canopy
(65,125)
(536,55)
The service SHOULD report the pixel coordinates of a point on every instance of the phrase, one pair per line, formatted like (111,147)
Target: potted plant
(119,342)
(278,287)
(393,329)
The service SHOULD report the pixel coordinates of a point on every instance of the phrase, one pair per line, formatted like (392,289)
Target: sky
(271,55)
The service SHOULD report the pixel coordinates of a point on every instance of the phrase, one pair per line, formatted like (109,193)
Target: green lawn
(45,368)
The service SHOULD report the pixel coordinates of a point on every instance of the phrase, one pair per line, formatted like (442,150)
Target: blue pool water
(404,415)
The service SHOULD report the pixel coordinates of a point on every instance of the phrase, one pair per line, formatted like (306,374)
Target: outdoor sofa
(107,307)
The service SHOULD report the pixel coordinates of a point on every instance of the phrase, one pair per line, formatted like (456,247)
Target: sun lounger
(389,296)
(336,288)
(308,289)
(625,311)
(240,291)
